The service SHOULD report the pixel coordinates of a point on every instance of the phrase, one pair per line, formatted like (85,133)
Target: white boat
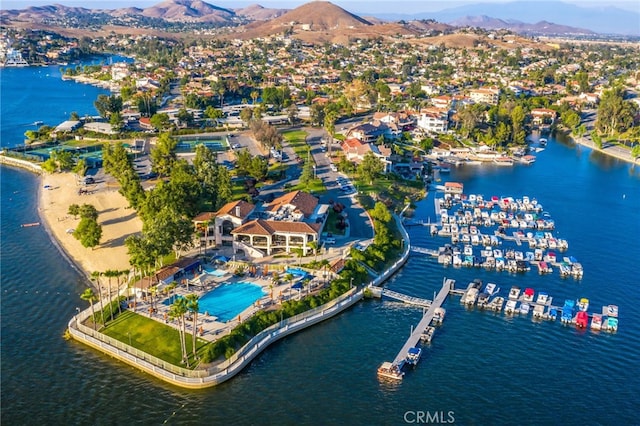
(514,293)
(427,334)
(390,371)
(491,289)
(542,142)
(438,316)
(413,356)
(496,304)
(470,297)
(483,300)
(510,307)
(524,308)
(583,304)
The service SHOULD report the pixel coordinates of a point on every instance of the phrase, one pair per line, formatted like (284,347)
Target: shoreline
(53,205)
(620,154)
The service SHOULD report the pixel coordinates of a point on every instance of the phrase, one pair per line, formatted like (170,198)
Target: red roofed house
(216,227)
(543,116)
(292,221)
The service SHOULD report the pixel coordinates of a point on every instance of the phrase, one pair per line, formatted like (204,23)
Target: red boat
(582,319)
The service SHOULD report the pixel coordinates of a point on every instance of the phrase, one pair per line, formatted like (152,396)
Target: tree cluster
(88,231)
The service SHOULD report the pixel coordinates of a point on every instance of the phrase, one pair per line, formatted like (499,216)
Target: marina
(520,303)
(492,233)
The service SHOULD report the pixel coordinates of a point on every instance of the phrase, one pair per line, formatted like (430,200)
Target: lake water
(480,369)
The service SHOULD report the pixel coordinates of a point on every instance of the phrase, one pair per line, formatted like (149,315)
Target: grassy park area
(153,337)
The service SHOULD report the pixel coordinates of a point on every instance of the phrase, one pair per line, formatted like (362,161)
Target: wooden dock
(413,340)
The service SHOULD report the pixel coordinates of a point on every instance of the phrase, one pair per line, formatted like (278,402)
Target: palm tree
(193,306)
(254,96)
(90,297)
(110,273)
(95,275)
(177,311)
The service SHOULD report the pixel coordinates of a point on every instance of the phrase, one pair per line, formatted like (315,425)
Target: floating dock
(424,331)
(418,333)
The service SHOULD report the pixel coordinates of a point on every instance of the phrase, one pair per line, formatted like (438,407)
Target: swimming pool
(228,300)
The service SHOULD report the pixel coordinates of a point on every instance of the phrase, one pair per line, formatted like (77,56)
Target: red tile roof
(303,202)
(270,227)
(230,208)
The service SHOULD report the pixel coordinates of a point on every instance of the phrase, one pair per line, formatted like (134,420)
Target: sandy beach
(118,222)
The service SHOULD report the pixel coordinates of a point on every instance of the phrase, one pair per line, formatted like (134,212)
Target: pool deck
(212,329)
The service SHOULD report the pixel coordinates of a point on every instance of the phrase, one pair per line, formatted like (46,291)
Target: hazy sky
(355,6)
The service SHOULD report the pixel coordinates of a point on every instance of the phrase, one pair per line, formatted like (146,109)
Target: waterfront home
(543,116)
(289,222)
(215,227)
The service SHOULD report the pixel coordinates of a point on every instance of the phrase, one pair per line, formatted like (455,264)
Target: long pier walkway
(413,340)
(406,299)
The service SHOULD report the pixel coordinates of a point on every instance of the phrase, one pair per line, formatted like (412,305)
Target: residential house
(433,120)
(368,132)
(543,116)
(489,95)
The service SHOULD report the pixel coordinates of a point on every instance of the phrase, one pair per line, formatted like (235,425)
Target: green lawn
(153,337)
(297,140)
(331,225)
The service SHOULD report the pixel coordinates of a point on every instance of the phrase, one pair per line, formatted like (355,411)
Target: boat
(390,371)
(596,322)
(544,268)
(528,295)
(438,316)
(543,299)
(427,334)
(413,356)
(567,311)
(483,300)
(553,314)
(510,307)
(610,311)
(496,304)
(538,312)
(491,289)
(542,142)
(611,324)
(582,319)
(583,304)
(470,297)
(525,308)
(514,293)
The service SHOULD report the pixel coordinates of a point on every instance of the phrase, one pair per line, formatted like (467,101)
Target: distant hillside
(540,28)
(604,20)
(188,10)
(320,16)
(255,12)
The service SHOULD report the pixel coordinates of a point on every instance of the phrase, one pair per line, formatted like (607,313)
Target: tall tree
(177,311)
(163,156)
(90,297)
(615,115)
(370,167)
(193,306)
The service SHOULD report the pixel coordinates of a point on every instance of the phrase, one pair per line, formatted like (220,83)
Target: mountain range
(550,17)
